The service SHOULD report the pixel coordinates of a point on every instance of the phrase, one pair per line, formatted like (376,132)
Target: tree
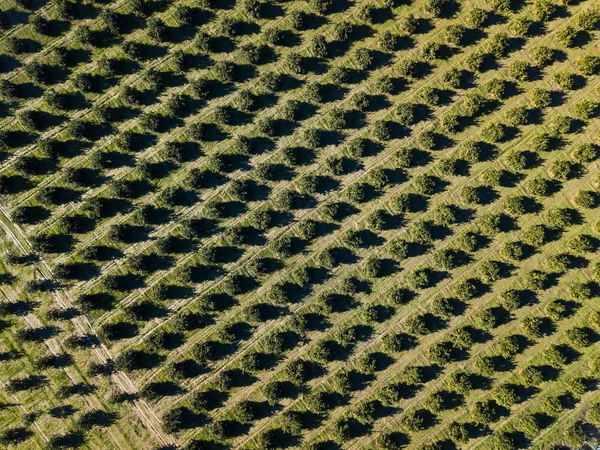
(318,47)
(364,58)
(584,153)
(470,195)
(494,132)
(498,45)
(539,186)
(588,20)
(588,64)
(511,299)
(506,395)
(458,432)
(460,382)
(415,420)
(556,310)
(486,319)
(519,71)
(581,244)
(489,271)
(321,6)
(531,376)
(533,326)
(420,279)
(593,414)
(561,217)
(389,441)
(388,41)
(342,31)
(516,160)
(535,280)
(585,109)
(543,56)
(575,435)
(555,356)
(484,412)
(580,337)
(566,36)
(544,10)
(431,51)
(450,122)
(580,290)
(225,71)
(540,98)
(516,205)
(441,353)
(503,441)
(535,235)
(510,345)
(176,419)
(553,406)
(512,251)
(476,17)
(565,80)
(454,78)
(520,26)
